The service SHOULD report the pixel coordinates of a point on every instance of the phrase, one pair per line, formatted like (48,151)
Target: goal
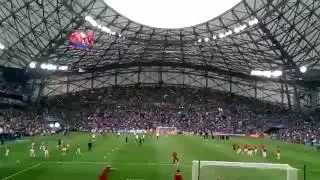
(223,170)
(166,130)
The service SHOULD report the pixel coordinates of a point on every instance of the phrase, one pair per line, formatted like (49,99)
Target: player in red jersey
(250,150)
(178,175)
(245,149)
(234,146)
(175,159)
(238,149)
(264,152)
(278,152)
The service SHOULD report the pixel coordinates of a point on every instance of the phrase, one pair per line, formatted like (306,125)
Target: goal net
(223,170)
(166,130)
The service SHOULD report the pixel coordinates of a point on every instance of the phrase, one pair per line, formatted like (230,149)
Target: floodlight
(214,37)
(51,67)
(253,22)
(56,125)
(277,73)
(206,39)
(92,22)
(253,72)
(113,33)
(237,30)
(221,35)
(88,18)
(2,46)
(51,125)
(243,27)
(105,29)
(267,73)
(81,70)
(199,40)
(303,69)
(63,68)
(43,66)
(32,65)
(228,33)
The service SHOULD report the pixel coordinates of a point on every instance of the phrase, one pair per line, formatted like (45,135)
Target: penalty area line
(22,171)
(119,163)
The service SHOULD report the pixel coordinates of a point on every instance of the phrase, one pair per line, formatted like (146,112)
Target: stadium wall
(167,76)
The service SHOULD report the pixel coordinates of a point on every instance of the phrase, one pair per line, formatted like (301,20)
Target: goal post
(224,170)
(166,130)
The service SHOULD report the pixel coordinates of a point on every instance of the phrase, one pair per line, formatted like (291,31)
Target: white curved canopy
(171,13)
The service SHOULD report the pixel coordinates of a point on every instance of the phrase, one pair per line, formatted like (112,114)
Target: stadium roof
(253,35)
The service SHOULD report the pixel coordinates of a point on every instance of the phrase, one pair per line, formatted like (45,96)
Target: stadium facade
(219,54)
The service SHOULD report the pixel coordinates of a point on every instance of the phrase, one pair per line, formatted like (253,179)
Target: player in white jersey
(7,151)
(32,144)
(143,136)
(264,152)
(78,149)
(255,150)
(158,135)
(42,146)
(64,149)
(118,133)
(278,152)
(137,137)
(32,152)
(46,151)
(93,137)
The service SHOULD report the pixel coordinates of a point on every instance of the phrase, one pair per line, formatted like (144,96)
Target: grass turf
(150,161)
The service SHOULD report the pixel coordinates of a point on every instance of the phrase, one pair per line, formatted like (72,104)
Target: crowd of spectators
(192,110)
(13,120)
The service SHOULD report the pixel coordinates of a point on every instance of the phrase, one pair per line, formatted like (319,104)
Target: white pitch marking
(22,171)
(121,163)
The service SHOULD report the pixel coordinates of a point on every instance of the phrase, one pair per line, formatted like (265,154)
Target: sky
(171,13)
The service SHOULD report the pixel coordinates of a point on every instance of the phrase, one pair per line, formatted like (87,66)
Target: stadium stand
(192,110)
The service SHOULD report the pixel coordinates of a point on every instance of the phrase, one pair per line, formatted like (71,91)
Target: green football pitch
(152,160)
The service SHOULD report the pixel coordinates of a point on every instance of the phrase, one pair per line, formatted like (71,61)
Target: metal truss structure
(286,38)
